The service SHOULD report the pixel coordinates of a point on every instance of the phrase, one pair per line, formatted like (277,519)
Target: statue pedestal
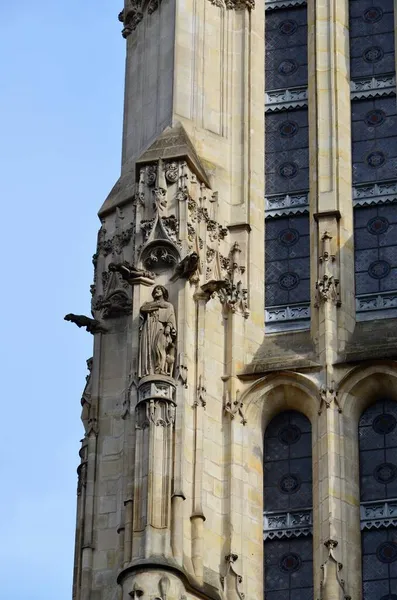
(157,387)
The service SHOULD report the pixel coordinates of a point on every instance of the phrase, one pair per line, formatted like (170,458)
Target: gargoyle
(91,325)
(129,272)
(214,285)
(187,267)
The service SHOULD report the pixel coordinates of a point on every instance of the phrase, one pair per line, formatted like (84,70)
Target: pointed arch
(280,398)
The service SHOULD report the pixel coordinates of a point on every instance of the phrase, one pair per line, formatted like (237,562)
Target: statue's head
(159,292)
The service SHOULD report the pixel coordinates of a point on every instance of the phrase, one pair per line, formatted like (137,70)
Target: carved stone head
(159,291)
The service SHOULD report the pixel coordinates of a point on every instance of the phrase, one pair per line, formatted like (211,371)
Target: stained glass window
(287,248)
(374,155)
(288,551)
(378,486)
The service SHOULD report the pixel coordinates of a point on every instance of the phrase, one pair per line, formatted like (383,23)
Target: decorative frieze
(277,4)
(287,313)
(377,301)
(377,193)
(283,205)
(373,87)
(374,515)
(278,525)
(234,4)
(285,99)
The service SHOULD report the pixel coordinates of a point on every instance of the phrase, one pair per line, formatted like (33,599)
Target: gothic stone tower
(240,408)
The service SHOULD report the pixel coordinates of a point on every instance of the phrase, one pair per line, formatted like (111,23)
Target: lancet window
(374,150)
(378,481)
(287,246)
(287,521)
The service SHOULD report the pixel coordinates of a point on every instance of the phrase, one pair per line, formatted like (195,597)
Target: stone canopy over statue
(157,335)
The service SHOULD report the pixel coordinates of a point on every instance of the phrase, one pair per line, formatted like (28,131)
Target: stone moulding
(278,525)
(276,100)
(372,87)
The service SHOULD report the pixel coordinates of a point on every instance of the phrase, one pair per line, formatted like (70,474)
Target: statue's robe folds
(153,340)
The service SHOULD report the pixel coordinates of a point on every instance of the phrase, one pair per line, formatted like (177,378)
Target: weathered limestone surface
(183,384)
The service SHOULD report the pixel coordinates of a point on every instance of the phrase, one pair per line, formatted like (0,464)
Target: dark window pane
(378,482)
(287,253)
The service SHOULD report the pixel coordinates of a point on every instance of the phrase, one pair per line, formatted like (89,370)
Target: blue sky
(62,70)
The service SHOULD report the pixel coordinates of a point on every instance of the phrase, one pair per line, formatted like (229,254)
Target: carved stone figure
(91,325)
(130,273)
(86,396)
(187,267)
(158,334)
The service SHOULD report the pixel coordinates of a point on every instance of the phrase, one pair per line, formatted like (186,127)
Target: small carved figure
(187,267)
(86,396)
(129,272)
(91,325)
(158,334)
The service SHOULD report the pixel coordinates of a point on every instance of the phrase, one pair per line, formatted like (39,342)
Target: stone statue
(158,334)
(86,396)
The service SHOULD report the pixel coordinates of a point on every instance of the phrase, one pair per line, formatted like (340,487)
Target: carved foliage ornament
(114,244)
(327,286)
